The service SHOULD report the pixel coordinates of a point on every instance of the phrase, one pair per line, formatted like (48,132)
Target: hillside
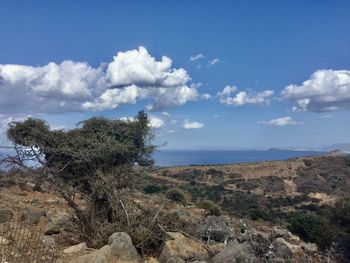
(257,200)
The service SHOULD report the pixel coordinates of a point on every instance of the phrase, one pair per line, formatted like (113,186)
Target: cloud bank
(188,125)
(229,97)
(325,90)
(284,121)
(76,86)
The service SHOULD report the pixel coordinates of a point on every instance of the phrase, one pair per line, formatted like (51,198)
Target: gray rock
(32,217)
(6,215)
(5,227)
(216,228)
(99,256)
(75,248)
(48,241)
(234,253)
(51,229)
(60,219)
(122,247)
(4,241)
(182,247)
(286,251)
(175,259)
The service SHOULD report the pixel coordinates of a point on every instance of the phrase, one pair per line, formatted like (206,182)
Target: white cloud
(325,90)
(196,57)
(76,86)
(213,61)
(154,122)
(227,96)
(284,121)
(166,114)
(192,125)
(206,96)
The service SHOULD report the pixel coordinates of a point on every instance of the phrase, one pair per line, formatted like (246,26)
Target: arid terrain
(257,200)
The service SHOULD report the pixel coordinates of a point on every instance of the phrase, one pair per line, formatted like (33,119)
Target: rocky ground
(36,225)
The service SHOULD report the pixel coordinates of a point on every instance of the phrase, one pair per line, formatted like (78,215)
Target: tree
(95,159)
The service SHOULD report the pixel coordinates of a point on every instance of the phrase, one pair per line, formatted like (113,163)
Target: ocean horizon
(217,157)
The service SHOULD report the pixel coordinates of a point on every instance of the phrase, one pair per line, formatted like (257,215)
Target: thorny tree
(96,160)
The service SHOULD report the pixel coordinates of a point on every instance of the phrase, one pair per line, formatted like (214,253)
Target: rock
(75,248)
(235,252)
(6,215)
(287,251)
(32,217)
(216,228)
(175,259)
(48,241)
(182,247)
(99,256)
(60,219)
(309,247)
(5,227)
(122,247)
(51,229)
(4,241)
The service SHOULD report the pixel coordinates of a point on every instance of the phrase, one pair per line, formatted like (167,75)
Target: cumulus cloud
(284,121)
(213,61)
(196,57)
(206,96)
(76,86)
(229,96)
(192,125)
(325,90)
(154,122)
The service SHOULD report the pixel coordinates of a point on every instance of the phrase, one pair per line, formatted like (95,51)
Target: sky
(210,74)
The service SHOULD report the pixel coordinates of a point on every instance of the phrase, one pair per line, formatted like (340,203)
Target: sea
(216,157)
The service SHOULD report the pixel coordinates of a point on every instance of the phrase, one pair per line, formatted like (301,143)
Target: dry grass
(25,245)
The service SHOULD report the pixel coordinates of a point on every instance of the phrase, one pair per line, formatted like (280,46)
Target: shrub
(152,189)
(341,213)
(176,195)
(311,228)
(210,208)
(256,213)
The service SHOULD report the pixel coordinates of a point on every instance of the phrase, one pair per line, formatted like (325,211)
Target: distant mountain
(345,147)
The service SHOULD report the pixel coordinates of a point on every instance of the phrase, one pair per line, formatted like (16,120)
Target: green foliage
(311,228)
(210,208)
(153,189)
(256,213)
(176,195)
(341,213)
(97,144)
(213,171)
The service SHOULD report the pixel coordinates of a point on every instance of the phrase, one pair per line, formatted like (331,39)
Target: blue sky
(285,66)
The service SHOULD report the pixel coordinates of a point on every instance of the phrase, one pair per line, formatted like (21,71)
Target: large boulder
(216,228)
(75,248)
(119,249)
(122,247)
(51,229)
(286,252)
(102,255)
(236,252)
(32,217)
(183,248)
(6,215)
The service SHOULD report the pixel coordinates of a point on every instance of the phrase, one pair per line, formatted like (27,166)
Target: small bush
(176,195)
(308,163)
(152,189)
(210,208)
(311,228)
(256,213)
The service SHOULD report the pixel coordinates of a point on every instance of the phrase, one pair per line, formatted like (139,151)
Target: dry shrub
(25,245)
(112,208)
